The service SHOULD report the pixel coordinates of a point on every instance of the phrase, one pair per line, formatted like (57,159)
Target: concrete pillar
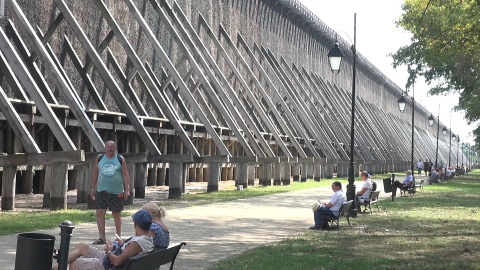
(328,171)
(342,170)
(277,174)
(318,172)
(287,174)
(131,167)
(175,178)
(213,176)
(296,172)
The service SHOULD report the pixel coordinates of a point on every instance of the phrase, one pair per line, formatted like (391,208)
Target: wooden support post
(152,176)
(266,175)
(229,168)
(303,177)
(84,182)
(310,171)
(9,177)
(213,176)
(47,185)
(287,174)
(27,180)
(161,174)
(58,186)
(296,172)
(175,178)
(318,172)
(191,174)
(277,174)
(251,174)
(199,173)
(131,172)
(140,180)
(241,175)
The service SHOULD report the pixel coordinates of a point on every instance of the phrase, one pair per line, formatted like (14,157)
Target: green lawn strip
(26,221)
(18,222)
(435,229)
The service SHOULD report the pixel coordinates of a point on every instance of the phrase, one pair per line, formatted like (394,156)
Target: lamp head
(454,137)
(444,131)
(430,120)
(401,103)
(335,56)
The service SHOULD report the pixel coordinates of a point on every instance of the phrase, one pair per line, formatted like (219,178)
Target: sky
(377,37)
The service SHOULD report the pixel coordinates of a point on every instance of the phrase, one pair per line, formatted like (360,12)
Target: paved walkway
(214,231)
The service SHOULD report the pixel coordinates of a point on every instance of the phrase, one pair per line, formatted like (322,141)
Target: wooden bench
(372,199)
(154,259)
(411,190)
(420,184)
(343,212)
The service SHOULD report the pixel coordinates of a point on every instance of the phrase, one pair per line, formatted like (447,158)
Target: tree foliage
(444,49)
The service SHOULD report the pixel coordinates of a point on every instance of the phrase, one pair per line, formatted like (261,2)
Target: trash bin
(387,185)
(34,251)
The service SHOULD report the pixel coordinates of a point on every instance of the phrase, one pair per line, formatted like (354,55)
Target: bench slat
(154,259)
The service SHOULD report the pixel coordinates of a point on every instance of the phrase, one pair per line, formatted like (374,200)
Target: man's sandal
(99,241)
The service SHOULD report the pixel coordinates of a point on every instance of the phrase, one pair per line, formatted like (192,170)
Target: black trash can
(34,251)
(387,185)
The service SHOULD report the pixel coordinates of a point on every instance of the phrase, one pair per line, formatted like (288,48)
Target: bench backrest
(345,208)
(374,186)
(374,195)
(154,259)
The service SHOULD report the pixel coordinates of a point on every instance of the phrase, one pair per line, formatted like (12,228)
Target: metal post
(351,167)
(438,133)
(463,144)
(66,229)
(413,125)
(394,189)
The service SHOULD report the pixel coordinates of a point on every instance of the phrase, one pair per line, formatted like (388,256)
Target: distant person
(430,166)
(406,183)
(87,257)
(426,166)
(331,208)
(158,230)
(110,187)
(419,167)
(435,176)
(364,193)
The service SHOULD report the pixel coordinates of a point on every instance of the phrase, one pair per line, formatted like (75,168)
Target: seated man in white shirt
(330,208)
(364,193)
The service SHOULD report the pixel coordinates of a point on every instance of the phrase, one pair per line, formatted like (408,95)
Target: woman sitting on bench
(85,256)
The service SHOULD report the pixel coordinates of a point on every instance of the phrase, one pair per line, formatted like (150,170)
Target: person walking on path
(331,208)
(110,186)
(419,167)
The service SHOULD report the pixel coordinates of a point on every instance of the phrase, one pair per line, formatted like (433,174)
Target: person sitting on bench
(435,176)
(331,208)
(86,256)
(364,193)
(406,183)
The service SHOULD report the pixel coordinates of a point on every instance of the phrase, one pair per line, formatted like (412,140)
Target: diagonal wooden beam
(75,106)
(25,78)
(111,84)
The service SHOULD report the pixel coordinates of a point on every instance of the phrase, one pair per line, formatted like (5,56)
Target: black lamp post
(457,166)
(401,106)
(430,122)
(463,145)
(444,131)
(335,56)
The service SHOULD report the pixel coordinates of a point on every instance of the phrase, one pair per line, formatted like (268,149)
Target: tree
(445,50)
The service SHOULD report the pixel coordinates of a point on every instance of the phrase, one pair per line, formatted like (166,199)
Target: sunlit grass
(436,229)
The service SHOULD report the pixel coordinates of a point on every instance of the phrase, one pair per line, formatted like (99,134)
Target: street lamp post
(463,145)
(430,122)
(401,105)
(335,56)
(457,166)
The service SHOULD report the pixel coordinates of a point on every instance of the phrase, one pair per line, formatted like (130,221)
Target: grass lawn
(436,229)
(17,221)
